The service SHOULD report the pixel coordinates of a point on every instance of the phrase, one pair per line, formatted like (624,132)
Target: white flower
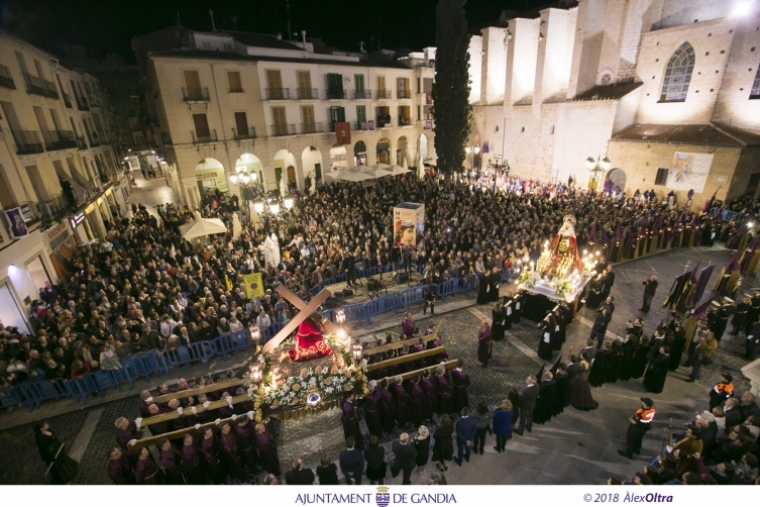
(304,386)
(328,390)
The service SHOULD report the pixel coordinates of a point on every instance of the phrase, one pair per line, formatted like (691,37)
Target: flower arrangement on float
(276,385)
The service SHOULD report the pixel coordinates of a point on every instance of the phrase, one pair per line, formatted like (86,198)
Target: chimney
(303,37)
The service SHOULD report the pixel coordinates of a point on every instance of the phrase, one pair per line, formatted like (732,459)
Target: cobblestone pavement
(574,448)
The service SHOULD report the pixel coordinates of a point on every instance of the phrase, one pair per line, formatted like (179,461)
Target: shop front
(63,248)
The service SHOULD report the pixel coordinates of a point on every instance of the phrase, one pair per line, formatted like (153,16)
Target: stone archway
(338,157)
(311,161)
(618,178)
(360,153)
(383,151)
(209,173)
(286,172)
(250,164)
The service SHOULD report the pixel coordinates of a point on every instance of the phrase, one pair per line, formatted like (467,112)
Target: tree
(451,89)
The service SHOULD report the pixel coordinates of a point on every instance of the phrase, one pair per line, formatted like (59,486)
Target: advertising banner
(408,223)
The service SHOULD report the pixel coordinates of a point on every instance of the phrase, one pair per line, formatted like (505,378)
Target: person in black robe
(403,402)
(494,282)
(628,350)
(563,319)
(498,321)
(639,362)
(483,297)
(740,316)
(573,369)
(654,379)
(508,304)
(547,339)
(373,409)
(545,402)
(518,308)
(61,467)
(598,374)
(613,362)
(460,381)
(514,399)
(677,346)
(581,398)
(561,381)
(594,294)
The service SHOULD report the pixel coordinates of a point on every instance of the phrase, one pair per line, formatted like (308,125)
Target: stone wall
(309,436)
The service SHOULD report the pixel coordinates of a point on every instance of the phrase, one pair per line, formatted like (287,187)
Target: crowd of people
(145,287)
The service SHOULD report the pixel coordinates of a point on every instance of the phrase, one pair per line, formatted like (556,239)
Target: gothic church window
(678,74)
(755,93)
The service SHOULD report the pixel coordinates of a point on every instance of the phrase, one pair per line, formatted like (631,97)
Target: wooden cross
(305,312)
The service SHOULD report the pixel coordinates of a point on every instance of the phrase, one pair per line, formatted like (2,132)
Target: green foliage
(451,89)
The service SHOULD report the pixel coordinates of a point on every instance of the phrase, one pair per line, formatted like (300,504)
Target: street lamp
(244,179)
(597,166)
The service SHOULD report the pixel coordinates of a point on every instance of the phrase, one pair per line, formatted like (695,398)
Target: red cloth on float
(309,342)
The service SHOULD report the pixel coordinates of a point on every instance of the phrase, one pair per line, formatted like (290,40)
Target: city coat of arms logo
(382,497)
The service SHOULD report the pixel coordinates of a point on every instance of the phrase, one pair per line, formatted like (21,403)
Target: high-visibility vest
(645,415)
(726,390)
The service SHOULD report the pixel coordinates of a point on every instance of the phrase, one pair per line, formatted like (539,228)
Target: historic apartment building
(60,171)
(667,90)
(224,102)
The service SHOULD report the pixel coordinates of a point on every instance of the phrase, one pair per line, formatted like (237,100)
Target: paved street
(576,447)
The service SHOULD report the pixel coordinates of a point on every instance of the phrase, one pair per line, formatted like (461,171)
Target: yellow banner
(254,285)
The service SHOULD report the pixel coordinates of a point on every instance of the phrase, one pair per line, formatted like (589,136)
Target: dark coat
(502,423)
(351,464)
(443,445)
(405,456)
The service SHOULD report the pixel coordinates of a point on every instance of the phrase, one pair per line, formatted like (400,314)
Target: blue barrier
(32,393)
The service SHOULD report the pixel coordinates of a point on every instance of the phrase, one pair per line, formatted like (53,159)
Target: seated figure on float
(309,342)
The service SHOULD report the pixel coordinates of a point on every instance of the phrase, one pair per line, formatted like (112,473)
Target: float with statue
(558,276)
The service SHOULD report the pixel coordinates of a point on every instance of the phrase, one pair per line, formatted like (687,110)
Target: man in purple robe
(191,464)
(207,415)
(245,435)
(387,407)
(126,431)
(145,400)
(408,326)
(267,448)
(432,360)
(402,400)
(169,458)
(158,428)
(227,411)
(419,406)
(460,381)
(350,423)
(443,389)
(484,344)
(210,453)
(418,347)
(231,454)
(373,409)
(146,470)
(119,469)
(431,393)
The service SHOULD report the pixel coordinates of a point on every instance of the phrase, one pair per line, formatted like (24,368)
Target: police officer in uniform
(640,423)
(722,391)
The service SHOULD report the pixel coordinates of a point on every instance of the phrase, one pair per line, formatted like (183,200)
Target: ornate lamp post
(595,167)
(357,351)
(471,152)
(340,316)
(244,179)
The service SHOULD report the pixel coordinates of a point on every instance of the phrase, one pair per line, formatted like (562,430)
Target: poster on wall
(408,223)
(689,171)
(16,224)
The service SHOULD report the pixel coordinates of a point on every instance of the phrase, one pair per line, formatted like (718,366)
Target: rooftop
(608,92)
(704,134)
(200,54)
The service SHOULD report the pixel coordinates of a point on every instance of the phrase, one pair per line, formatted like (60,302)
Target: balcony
(94,139)
(27,142)
(307,93)
(361,94)
(282,130)
(384,94)
(95,101)
(383,121)
(404,121)
(81,143)
(195,94)
(249,133)
(336,94)
(38,86)
(311,128)
(6,79)
(67,100)
(59,139)
(403,94)
(53,210)
(204,137)
(82,104)
(277,93)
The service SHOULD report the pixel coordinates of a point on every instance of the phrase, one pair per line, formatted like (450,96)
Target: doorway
(291,175)
(10,313)
(38,272)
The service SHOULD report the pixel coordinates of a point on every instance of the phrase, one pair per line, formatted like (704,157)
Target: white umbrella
(399,170)
(377,170)
(354,176)
(237,228)
(202,227)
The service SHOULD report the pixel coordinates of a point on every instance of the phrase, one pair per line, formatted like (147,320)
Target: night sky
(106,26)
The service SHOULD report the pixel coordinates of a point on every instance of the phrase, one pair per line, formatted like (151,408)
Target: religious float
(309,366)
(558,276)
